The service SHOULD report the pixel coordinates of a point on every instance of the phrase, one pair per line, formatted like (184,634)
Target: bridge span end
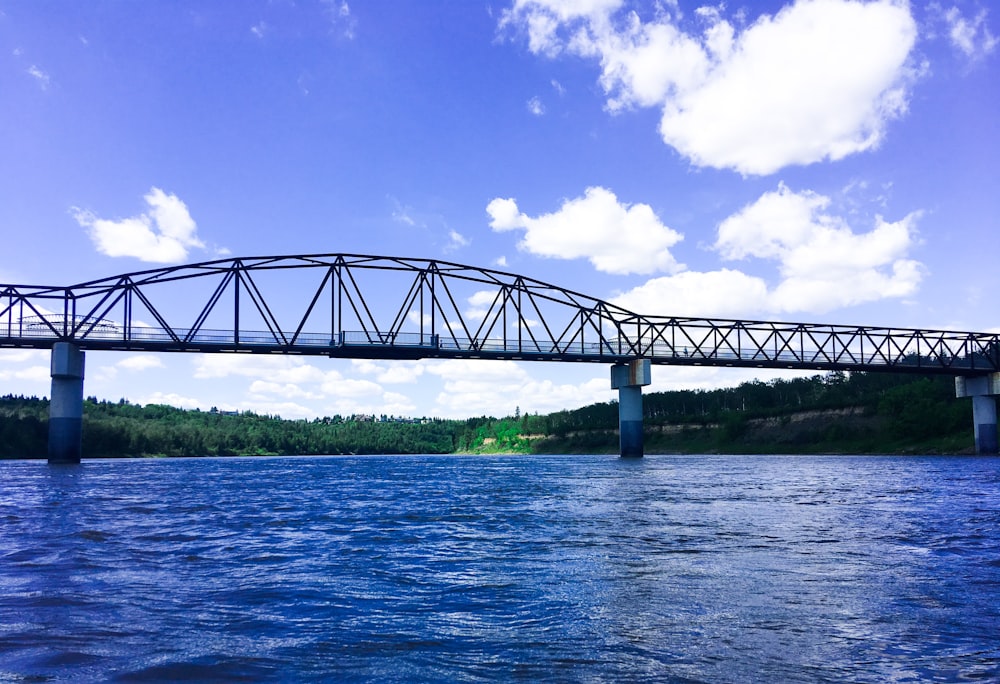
(983,389)
(629,379)
(66,405)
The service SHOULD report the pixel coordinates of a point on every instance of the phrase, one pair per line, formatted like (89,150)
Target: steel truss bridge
(364,306)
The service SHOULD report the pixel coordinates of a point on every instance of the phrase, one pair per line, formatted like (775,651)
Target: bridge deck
(412,346)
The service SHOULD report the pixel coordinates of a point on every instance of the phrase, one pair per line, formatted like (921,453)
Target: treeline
(860,412)
(879,412)
(122,429)
(933,402)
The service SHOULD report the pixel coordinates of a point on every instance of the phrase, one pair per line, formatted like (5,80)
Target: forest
(832,413)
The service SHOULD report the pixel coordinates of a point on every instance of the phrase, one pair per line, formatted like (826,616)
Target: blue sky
(823,160)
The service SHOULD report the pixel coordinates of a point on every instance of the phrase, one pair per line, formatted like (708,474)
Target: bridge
(378,307)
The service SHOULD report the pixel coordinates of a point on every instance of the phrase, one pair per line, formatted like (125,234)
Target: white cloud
(286,409)
(349,387)
(40,374)
(163,234)
(402,214)
(40,76)
(971,36)
(287,390)
(824,264)
(456,241)
(22,356)
(541,19)
(390,372)
(687,378)
(819,80)
(339,13)
(724,293)
(615,237)
(535,106)
(140,362)
(172,399)
(259,29)
(282,369)
(499,387)
(291,378)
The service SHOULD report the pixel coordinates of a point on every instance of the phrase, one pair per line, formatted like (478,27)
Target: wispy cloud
(341,19)
(535,106)
(456,241)
(969,35)
(40,76)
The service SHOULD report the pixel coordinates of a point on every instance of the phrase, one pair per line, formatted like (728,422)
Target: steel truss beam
(366,306)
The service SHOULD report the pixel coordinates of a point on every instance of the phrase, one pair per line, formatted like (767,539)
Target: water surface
(449,568)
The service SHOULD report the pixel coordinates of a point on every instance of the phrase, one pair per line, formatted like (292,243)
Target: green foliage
(884,413)
(923,409)
(117,429)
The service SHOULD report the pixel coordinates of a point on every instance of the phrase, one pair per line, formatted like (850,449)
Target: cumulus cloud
(824,264)
(615,237)
(535,106)
(723,294)
(163,234)
(38,373)
(821,79)
(285,377)
(500,387)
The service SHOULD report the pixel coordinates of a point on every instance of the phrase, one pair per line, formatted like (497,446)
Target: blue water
(572,568)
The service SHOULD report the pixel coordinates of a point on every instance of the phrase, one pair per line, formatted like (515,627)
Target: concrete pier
(629,380)
(66,404)
(983,389)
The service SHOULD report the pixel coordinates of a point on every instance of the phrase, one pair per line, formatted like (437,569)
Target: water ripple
(582,568)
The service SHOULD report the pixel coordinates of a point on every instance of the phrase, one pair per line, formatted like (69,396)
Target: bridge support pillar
(629,380)
(66,404)
(983,389)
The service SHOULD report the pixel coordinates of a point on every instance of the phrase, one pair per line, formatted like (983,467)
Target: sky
(826,161)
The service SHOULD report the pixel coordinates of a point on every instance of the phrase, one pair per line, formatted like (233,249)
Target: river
(452,568)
